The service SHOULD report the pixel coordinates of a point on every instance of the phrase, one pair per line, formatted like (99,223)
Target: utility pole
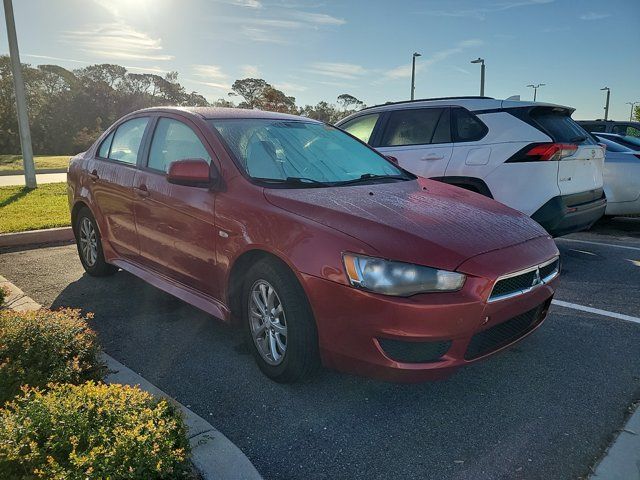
(633,104)
(413,74)
(535,89)
(606,107)
(481,62)
(21,100)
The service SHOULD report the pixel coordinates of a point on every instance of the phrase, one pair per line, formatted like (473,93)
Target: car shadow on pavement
(517,415)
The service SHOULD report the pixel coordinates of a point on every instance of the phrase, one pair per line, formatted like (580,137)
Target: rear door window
(361,127)
(173,140)
(419,126)
(561,127)
(467,127)
(127,140)
(623,129)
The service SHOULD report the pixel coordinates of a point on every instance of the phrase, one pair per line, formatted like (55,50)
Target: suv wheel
(279,326)
(90,246)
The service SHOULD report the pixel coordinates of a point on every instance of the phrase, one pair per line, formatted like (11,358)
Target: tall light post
(633,104)
(535,89)
(21,100)
(481,62)
(413,74)
(606,106)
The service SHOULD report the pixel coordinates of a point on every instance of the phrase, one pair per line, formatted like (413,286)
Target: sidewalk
(8,180)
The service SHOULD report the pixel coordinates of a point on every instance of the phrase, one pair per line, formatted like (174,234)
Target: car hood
(422,221)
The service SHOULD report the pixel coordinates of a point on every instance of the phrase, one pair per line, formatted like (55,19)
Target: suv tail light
(541,152)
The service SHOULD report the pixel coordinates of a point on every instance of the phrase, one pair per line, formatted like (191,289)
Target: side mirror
(192,172)
(392,159)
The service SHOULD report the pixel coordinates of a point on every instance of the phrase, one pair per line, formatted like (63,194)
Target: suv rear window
(559,125)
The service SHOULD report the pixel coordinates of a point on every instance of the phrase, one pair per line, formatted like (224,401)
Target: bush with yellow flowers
(92,431)
(45,346)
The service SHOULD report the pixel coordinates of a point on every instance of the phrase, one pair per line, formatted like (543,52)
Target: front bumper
(566,214)
(428,336)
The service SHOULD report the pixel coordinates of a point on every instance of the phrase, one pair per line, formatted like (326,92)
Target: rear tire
(89,245)
(278,323)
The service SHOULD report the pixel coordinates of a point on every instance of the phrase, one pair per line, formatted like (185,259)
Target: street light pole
(606,107)
(535,89)
(633,104)
(21,101)
(481,62)
(413,74)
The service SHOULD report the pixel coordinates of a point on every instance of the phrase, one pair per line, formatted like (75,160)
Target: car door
(420,138)
(111,173)
(175,223)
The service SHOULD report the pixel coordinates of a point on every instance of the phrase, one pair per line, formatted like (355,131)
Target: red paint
(185,240)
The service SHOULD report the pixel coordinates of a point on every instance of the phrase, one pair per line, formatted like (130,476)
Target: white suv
(530,156)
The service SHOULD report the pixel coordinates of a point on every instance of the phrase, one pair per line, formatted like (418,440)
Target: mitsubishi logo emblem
(536,278)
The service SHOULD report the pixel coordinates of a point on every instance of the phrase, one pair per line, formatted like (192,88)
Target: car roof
(223,112)
(474,104)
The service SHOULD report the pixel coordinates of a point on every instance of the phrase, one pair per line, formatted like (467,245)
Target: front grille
(414,352)
(523,282)
(506,332)
(513,284)
(550,270)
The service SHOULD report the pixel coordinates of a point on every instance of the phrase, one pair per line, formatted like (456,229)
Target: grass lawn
(14,162)
(23,209)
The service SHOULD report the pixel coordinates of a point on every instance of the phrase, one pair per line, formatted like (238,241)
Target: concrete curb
(213,455)
(622,459)
(8,173)
(36,237)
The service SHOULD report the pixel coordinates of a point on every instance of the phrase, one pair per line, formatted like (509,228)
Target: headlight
(398,278)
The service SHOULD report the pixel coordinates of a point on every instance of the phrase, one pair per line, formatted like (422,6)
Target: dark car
(630,128)
(322,249)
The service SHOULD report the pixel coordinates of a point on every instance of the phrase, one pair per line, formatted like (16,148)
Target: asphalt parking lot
(546,408)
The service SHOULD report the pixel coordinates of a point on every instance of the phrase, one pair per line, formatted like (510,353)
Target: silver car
(621,178)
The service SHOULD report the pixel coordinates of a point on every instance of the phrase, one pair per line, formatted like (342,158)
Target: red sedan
(323,250)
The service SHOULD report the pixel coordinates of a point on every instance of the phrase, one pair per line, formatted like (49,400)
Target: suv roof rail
(462,97)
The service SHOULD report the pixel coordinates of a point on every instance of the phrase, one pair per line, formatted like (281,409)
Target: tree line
(69,109)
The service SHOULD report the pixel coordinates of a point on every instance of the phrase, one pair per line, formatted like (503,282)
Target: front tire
(89,245)
(279,326)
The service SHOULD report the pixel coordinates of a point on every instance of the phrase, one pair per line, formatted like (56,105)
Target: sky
(318,49)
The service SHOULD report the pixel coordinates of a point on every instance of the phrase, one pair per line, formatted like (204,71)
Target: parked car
(625,140)
(621,178)
(321,248)
(631,129)
(530,156)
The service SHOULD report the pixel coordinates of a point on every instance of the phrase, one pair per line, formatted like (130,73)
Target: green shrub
(40,347)
(3,295)
(92,431)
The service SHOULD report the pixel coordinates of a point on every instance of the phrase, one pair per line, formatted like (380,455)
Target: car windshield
(613,146)
(303,153)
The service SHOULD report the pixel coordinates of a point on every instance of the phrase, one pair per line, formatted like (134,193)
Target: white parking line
(598,243)
(597,311)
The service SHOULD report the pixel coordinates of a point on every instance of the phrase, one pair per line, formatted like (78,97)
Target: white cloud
(594,16)
(251,71)
(347,71)
(404,71)
(214,85)
(262,35)
(116,40)
(287,87)
(47,57)
(255,4)
(480,13)
(319,18)
(208,71)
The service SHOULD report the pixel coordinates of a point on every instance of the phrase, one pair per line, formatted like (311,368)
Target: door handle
(141,191)
(432,156)
(94,176)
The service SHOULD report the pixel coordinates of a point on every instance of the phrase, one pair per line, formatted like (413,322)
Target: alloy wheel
(88,242)
(268,323)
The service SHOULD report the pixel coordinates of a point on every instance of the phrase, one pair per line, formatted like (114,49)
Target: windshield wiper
(372,176)
(578,139)
(307,182)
